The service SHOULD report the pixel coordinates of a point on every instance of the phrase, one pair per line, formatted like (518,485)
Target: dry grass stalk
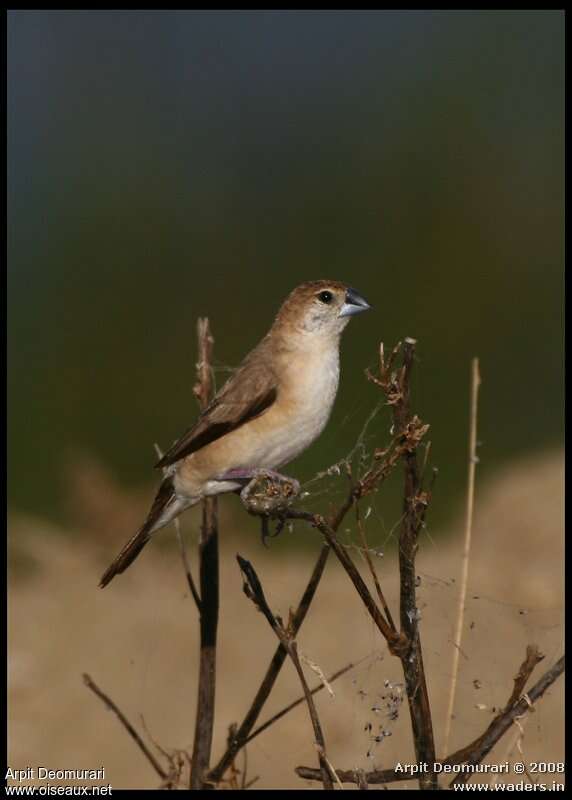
(473,460)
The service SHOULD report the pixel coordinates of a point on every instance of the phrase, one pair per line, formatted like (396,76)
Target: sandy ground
(138,640)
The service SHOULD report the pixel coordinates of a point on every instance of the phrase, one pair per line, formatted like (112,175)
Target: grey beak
(354,304)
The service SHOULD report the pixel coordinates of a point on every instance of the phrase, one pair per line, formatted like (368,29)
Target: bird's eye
(325,297)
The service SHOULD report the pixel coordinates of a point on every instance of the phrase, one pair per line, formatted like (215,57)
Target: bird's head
(320,308)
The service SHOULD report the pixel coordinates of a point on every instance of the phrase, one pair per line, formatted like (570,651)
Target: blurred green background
(164,165)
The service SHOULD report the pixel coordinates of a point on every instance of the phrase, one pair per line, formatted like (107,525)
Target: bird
(274,405)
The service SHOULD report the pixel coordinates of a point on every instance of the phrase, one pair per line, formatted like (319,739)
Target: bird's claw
(266,534)
(267,493)
(269,487)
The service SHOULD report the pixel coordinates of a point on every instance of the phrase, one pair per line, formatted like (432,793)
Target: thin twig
(355,775)
(187,565)
(244,767)
(209,588)
(253,590)
(257,731)
(271,674)
(279,656)
(89,682)
(372,570)
(533,657)
(183,549)
(516,742)
(394,640)
(473,460)
(474,753)
(176,758)
(405,644)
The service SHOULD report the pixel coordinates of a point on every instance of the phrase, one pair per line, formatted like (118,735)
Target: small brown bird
(271,409)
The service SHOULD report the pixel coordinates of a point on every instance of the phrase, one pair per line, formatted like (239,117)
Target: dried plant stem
(373,573)
(272,672)
(475,385)
(533,657)
(90,683)
(253,590)
(397,387)
(241,736)
(183,549)
(513,743)
(209,589)
(296,703)
(481,747)
(187,565)
(406,643)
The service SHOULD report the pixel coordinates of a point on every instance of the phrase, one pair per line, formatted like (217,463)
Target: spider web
(505,611)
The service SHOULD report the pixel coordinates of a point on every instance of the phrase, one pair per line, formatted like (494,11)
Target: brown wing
(250,392)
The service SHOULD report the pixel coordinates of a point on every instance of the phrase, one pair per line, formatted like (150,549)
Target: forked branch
(253,590)
(404,643)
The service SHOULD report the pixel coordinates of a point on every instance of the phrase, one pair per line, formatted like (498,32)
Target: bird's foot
(250,475)
(265,532)
(270,488)
(266,494)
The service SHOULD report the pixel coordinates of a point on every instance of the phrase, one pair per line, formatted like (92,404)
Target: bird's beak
(354,304)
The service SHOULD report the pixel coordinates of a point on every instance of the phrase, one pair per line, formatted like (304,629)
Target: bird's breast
(305,403)
(305,398)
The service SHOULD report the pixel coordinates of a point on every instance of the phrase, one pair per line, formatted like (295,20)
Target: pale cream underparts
(309,371)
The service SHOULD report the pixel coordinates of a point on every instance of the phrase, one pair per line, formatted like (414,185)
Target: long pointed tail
(157,518)
(126,557)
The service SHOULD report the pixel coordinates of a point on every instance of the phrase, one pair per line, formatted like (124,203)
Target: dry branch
(533,657)
(291,706)
(90,683)
(182,548)
(209,588)
(355,775)
(395,642)
(515,708)
(272,672)
(244,730)
(253,590)
(406,643)
(373,572)
(403,643)
(397,387)
(187,565)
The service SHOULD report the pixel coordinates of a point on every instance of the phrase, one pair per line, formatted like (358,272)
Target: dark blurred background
(164,165)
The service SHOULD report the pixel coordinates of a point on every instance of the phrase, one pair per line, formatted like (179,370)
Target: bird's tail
(165,507)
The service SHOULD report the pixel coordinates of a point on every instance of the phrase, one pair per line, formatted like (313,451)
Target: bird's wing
(248,393)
